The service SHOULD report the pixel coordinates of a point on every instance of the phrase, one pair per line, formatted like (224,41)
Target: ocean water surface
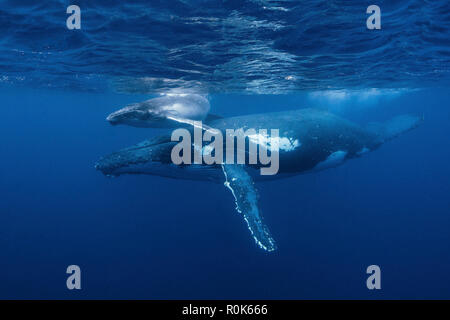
(149,237)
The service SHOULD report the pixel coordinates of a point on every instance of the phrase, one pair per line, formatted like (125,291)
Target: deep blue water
(151,237)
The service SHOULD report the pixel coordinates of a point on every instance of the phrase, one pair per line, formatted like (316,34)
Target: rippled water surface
(224,46)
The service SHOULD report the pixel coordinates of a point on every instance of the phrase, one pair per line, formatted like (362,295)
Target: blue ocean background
(147,237)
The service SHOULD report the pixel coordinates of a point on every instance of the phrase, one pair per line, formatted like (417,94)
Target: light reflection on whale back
(167,111)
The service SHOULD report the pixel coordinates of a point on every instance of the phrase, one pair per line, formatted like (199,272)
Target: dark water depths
(150,237)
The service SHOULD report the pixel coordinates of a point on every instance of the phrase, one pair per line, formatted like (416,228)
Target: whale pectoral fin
(193,123)
(246,197)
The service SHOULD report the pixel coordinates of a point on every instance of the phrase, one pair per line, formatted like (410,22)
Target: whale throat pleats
(245,195)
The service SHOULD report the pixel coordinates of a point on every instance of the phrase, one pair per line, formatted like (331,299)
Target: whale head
(161,112)
(137,115)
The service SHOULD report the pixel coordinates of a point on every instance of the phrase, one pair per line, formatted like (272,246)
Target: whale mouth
(112,121)
(101,167)
(140,158)
(115,117)
(128,113)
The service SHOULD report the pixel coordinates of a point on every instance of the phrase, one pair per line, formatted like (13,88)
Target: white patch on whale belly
(333,160)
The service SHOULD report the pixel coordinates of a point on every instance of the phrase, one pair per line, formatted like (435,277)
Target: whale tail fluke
(395,127)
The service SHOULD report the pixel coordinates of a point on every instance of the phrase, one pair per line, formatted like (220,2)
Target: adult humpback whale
(319,140)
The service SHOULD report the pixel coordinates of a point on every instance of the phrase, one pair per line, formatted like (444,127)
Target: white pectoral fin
(193,123)
(246,197)
(182,120)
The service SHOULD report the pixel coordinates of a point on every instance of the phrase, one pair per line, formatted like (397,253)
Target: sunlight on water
(260,47)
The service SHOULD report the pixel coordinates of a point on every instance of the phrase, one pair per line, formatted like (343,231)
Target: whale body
(167,111)
(316,140)
(319,140)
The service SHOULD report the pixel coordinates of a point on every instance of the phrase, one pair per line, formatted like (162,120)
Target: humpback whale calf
(319,140)
(170,110)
